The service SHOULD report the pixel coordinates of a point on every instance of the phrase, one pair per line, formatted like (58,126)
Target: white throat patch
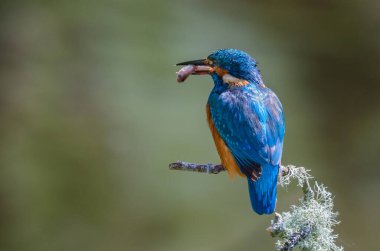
(231,80)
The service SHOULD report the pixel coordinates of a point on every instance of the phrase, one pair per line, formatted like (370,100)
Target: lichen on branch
(308,225)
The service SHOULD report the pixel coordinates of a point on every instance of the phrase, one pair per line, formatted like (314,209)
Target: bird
(246,120)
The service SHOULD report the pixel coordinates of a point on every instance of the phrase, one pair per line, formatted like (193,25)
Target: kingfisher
(246,121)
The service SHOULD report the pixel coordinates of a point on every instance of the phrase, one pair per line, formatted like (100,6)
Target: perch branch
(200,168)
(308,225)
(295,238)
(211,168)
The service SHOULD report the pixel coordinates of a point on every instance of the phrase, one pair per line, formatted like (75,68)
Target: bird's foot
(256,174)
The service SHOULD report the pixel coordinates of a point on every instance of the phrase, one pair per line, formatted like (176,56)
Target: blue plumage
(263,192)
(249,119)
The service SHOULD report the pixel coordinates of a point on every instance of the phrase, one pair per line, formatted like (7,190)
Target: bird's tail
(263,191)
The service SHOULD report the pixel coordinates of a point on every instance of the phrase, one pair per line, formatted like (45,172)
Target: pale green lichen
(309,225)
(292,172)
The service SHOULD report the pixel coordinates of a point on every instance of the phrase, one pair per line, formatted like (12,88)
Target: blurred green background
(91,115)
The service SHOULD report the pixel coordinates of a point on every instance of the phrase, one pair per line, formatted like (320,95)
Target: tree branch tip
(200,168)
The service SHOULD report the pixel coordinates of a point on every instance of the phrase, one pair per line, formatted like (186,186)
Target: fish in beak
(194,67)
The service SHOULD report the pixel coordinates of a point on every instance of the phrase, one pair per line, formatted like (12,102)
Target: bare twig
(200,168)
(211,168)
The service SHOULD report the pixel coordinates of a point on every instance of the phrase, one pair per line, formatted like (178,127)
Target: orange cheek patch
(221,72)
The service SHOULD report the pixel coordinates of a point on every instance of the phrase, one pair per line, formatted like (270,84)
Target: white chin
(231,80)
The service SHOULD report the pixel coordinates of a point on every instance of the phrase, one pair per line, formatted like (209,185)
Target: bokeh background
(91,115)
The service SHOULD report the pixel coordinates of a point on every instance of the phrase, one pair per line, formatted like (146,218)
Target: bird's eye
(209,62)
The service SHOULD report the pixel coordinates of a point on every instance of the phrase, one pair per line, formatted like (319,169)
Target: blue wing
(251,123)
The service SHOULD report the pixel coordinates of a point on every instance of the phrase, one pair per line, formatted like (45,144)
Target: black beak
(194,62)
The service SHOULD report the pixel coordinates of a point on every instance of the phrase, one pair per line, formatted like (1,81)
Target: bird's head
(229,66)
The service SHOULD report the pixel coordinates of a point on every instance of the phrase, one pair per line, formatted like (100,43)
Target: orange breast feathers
(225,155)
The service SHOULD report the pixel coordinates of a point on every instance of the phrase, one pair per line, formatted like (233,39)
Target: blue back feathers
(250,121)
